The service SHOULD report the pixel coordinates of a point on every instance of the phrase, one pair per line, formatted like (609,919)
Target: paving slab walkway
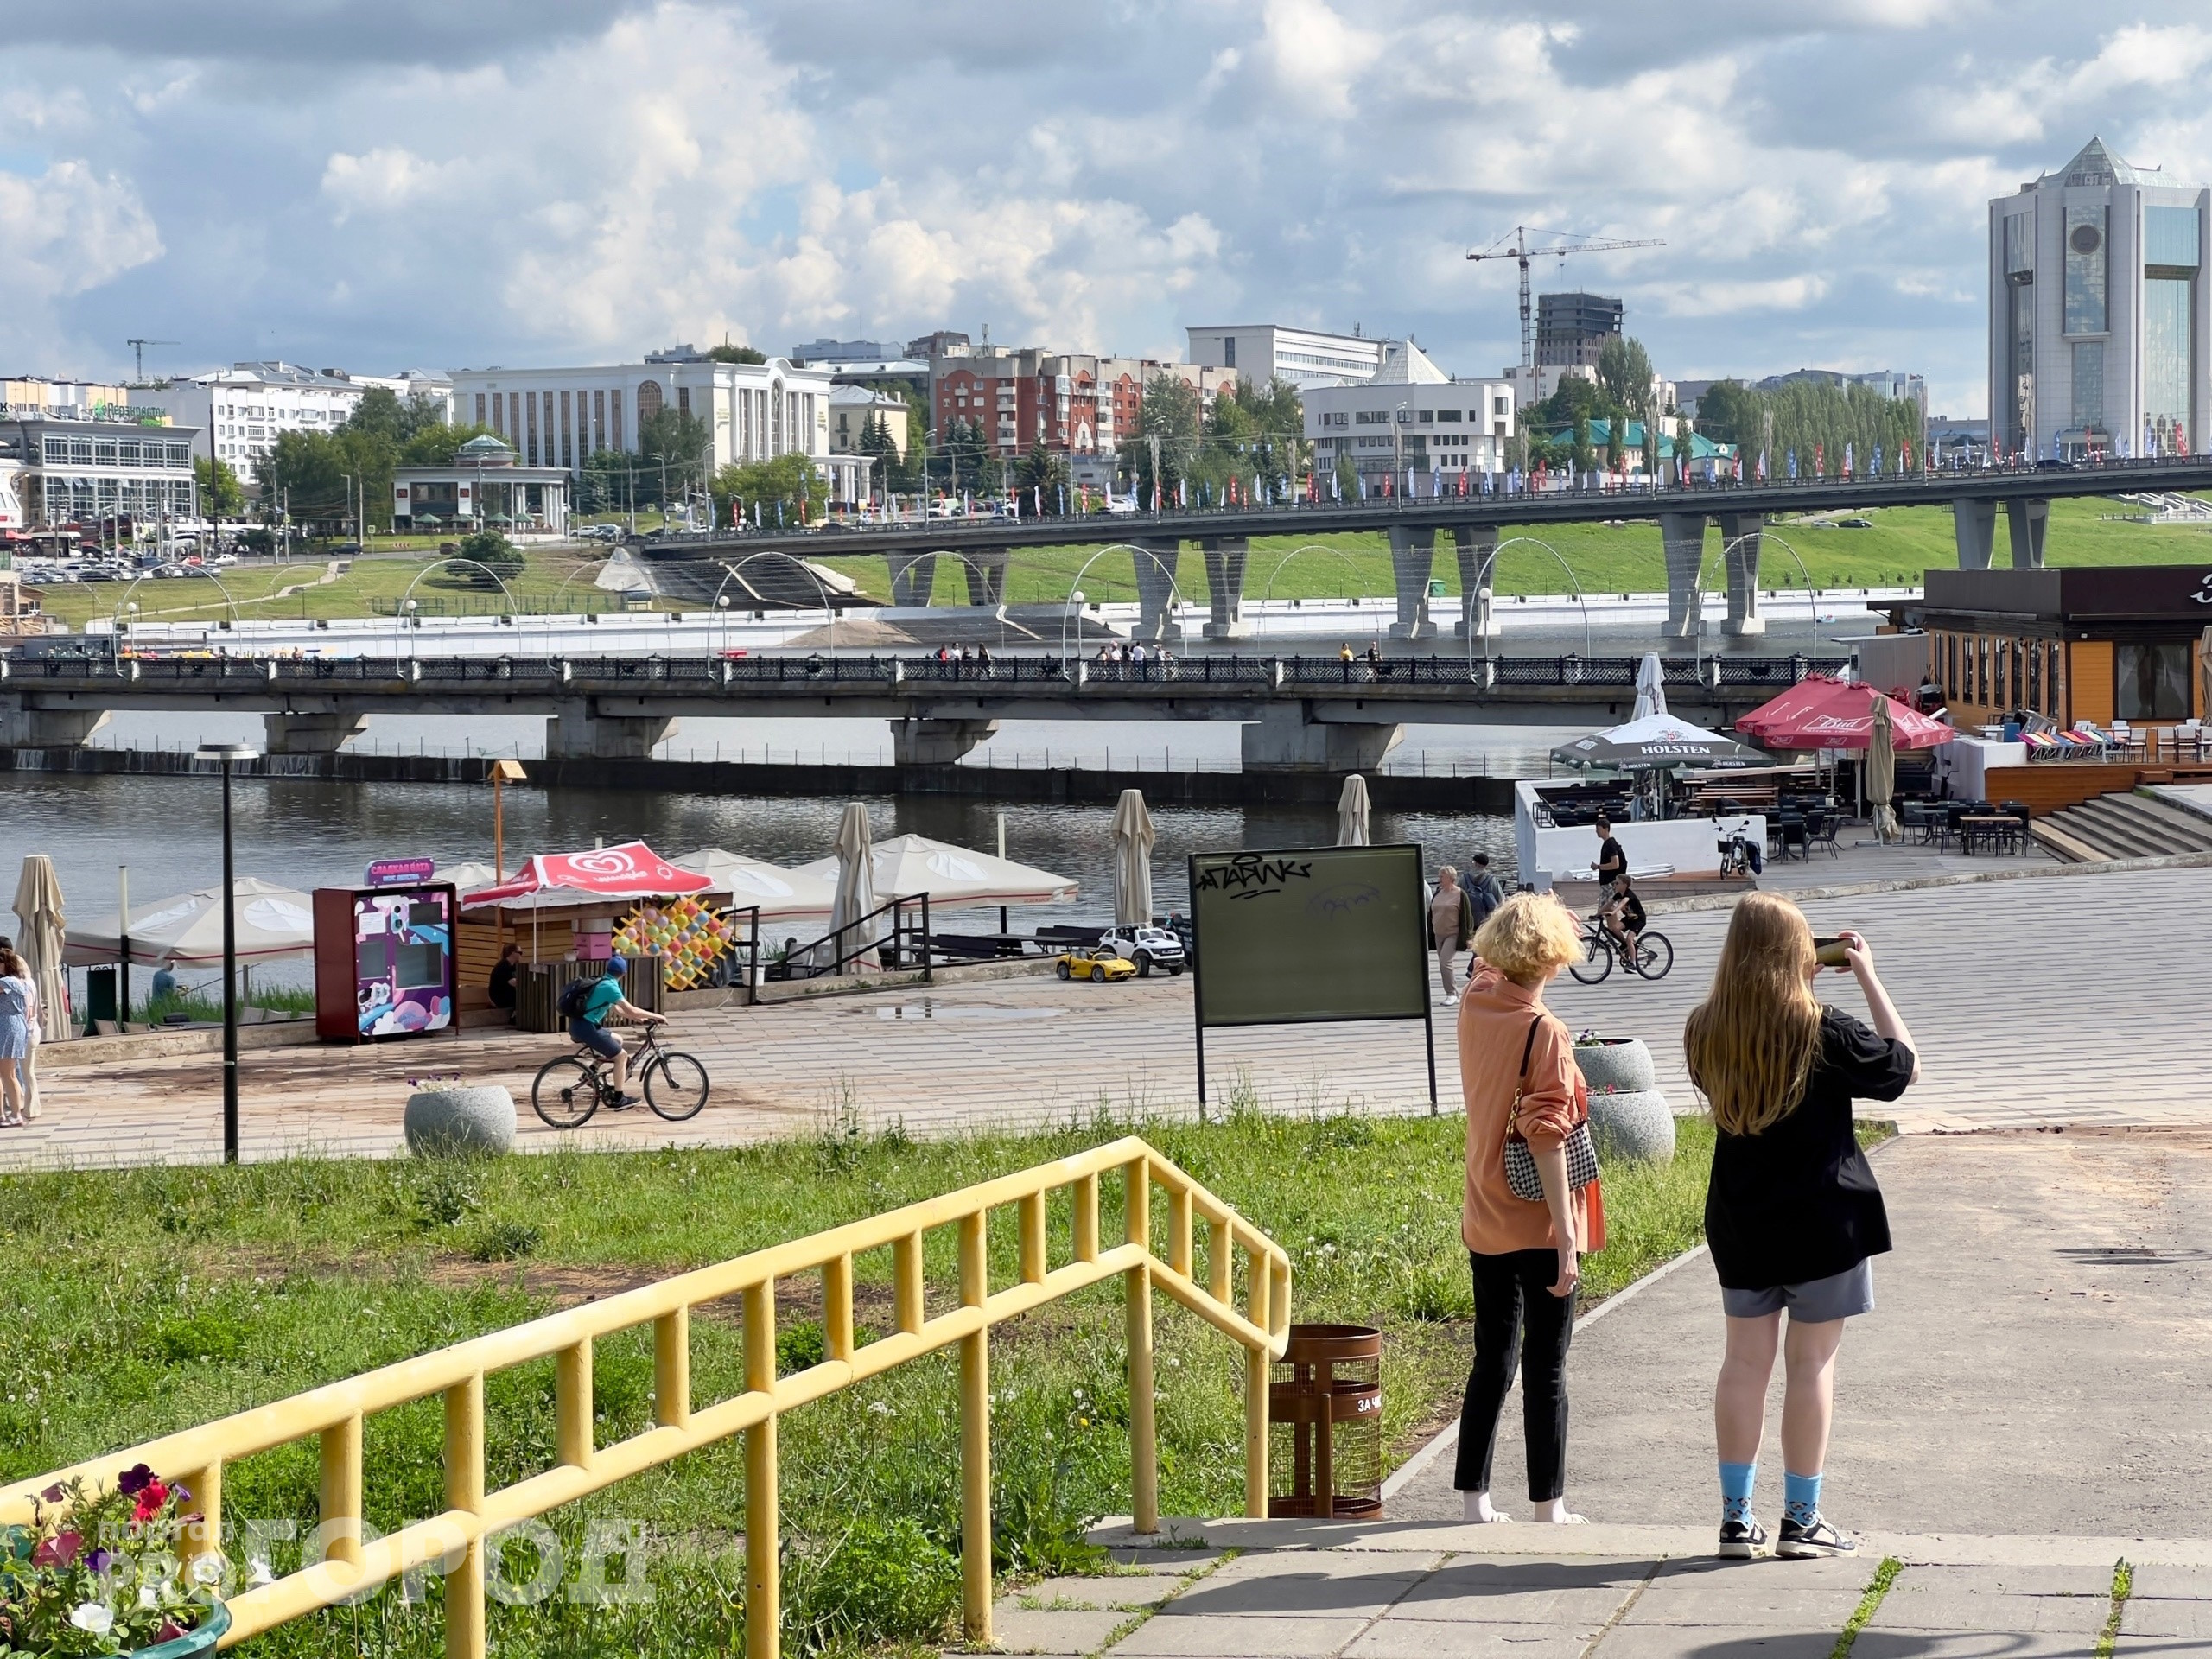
(2033,999)
(2028,1406)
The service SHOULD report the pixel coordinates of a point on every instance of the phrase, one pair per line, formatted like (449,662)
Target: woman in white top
(17,996)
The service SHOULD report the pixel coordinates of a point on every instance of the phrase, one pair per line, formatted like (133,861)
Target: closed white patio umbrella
(856,894)
(1352,813)
(1133,839)
(1651,687)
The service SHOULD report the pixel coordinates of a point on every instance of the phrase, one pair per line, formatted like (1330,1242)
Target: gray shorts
(1839,1296)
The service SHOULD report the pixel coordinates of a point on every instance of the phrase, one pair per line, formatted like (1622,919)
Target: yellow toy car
(1098,964)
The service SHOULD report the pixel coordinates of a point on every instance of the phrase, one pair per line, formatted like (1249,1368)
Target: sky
(418,183)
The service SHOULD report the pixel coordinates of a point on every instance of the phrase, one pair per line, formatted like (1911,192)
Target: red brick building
(1075,404)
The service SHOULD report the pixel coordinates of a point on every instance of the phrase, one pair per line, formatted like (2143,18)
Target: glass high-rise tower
(2098,313)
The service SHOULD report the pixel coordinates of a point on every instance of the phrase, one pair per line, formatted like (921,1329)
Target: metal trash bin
(1324,1412)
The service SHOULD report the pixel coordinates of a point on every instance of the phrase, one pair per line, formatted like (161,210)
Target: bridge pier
(1224,557)
(986,573)
(578,732)
(324,734)
(1155,561)
(22,726)
(1285,739)
(936,742)
(1683,536)
(1739,536)
(1413,563)
(1973,525)
(2026,517)
(1475,546)
(913,576)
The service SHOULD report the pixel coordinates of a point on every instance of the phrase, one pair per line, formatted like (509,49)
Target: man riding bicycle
(1623,915)
(602,1002)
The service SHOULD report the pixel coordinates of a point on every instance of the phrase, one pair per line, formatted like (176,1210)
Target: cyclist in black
(1625,916)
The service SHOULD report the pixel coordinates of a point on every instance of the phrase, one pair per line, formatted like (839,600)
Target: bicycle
(567,1091)
(1655,953)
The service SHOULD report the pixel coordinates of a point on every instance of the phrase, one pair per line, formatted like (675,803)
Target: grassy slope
(1605,558)
(1626,559)
(143,1301)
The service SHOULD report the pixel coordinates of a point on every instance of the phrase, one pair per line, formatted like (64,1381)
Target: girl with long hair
(1792,1214)
(17,997)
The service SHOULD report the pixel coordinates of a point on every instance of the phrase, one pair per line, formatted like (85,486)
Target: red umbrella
(1818,713)
(633,870)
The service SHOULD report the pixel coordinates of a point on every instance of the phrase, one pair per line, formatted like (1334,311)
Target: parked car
(1098,964)
(1145,947)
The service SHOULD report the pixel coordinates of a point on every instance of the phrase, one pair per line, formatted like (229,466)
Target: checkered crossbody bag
(1521,1172)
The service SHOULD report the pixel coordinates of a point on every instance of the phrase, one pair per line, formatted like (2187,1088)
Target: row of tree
(1806,416)
(334,479)
(1253,437)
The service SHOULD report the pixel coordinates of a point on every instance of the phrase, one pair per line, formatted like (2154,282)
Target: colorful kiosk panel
(384,961)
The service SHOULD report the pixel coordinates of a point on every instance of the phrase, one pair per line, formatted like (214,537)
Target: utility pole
(1153,440)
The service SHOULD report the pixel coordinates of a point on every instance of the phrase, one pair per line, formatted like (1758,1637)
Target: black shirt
(503,984)
(1798,1201)
(1632,916)
(1611,861)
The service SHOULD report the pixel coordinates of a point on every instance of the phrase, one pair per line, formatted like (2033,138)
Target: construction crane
(1563,243)
(138,348)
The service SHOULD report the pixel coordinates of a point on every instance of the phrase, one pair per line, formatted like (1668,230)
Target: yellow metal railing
(351,1564)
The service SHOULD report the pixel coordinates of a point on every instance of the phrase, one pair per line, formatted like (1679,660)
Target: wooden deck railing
(473,1516)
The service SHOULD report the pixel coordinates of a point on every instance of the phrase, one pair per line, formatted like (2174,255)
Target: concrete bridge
(1297,712)
(1476,524)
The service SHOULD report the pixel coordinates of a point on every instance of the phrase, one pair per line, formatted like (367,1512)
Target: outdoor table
(2000,826)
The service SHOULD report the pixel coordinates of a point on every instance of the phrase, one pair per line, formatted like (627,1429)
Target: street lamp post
(230,754)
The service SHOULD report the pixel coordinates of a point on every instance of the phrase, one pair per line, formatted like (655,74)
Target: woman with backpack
(1792,1213)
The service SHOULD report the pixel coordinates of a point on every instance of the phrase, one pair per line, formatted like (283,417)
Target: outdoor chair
(1794,834)
(1819,831)
(1913,816)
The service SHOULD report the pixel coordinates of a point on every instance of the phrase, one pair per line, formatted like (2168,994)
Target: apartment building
(245,408)
(1411,415)
(1264,351)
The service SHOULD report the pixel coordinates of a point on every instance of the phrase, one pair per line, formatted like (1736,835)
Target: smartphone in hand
(1832,953)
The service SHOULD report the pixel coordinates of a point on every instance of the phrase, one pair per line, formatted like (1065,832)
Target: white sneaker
(1451,1001)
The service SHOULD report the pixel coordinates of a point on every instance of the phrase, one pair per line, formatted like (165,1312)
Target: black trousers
(1513,1297)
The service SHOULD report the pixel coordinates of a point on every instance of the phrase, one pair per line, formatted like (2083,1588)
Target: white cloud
(62,232)
(382,180)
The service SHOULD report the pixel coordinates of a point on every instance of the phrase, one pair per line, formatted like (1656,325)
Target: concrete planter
(1629,1118)
(1621,1064)
(460,1122)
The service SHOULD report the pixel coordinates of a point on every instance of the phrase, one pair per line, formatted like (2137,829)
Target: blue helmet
(617,966)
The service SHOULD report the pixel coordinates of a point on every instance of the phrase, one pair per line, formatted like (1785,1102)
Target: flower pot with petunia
(97,1571)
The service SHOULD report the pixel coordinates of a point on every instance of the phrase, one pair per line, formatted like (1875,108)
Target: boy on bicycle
(1624,915)
(605,1001)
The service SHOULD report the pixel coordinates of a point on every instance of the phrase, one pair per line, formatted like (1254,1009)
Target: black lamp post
(230,754)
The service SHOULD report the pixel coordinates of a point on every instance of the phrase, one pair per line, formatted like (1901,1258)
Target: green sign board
(1310,933)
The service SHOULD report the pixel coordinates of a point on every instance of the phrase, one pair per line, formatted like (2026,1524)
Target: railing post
(1144,1453)
(906,1281)
(1179,1230)
(572,1435)
(1032,1239)
(672,1368)
(763,1588)
(1259,1282)
(206,1535)
(1086,1218)
(339,1499)
(837,1307)
(975,1438)
(1218,1263)
(464,1492)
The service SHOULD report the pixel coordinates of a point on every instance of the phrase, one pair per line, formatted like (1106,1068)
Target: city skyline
(399,187)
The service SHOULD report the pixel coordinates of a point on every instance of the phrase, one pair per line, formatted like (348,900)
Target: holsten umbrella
(1819,712)
(1657,743)
(38,941)
(273,922)
(856,894)
(905,867)
(1133,839)
(1352,813)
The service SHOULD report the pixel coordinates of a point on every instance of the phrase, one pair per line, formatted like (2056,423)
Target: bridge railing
(698,676)
(333,1415)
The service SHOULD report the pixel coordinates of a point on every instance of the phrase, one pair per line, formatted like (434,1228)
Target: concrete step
(2189,826)
(2120,836)
(2069,849)
(2170,831)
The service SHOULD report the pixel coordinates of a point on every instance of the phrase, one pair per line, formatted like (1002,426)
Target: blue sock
(1801,1497)
(1736,1482)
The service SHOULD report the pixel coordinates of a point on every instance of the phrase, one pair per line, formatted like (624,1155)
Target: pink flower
(58,1550)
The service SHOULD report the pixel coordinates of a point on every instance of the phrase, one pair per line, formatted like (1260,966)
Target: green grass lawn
(1605,558)
(142,1301)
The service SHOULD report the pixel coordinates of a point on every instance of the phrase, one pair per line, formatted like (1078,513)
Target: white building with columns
(752,411)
